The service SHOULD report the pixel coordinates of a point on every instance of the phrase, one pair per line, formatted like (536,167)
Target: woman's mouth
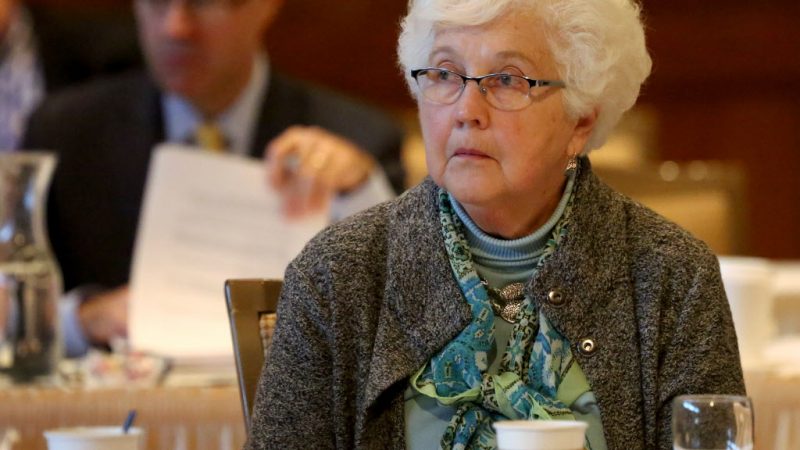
(464,152)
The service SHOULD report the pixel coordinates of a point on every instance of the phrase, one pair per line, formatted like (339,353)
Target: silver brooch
(506,302)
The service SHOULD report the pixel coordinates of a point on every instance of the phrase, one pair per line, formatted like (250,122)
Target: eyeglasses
(502,90)
(201,7)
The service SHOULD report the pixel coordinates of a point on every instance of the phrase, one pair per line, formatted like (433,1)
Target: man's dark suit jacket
(104,133)
(76,44)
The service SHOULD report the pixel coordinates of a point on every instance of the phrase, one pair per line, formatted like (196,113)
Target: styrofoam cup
(540,434)
(94,438)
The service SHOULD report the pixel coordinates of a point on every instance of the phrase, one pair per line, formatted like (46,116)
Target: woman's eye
(506,80)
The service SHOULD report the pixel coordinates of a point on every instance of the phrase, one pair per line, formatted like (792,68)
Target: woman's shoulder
(651,229)
(368,235)
(650,242)
(655,244)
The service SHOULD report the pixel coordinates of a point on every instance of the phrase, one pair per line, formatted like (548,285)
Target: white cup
(95,438)
(749,287)
(540,434)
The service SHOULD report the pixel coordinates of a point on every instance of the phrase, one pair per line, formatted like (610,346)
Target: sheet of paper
(205,218)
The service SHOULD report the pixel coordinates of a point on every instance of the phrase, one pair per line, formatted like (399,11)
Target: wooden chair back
(252,306)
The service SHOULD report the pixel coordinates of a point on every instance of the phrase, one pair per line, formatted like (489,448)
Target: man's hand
(309,165)
(105,315)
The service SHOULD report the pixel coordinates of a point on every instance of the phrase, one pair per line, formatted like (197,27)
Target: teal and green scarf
(537,359)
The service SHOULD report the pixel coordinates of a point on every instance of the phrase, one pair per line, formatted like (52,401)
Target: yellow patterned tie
(210,137)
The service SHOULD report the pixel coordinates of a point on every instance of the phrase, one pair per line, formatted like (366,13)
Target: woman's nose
(472,109)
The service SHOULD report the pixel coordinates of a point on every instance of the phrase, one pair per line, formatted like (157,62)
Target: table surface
(776,405)
(174,418)
(206,418)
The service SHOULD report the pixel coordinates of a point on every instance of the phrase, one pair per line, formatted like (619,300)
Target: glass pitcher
(30,280)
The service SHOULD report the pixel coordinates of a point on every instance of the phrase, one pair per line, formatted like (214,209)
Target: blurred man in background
(21,83)
(44,49)
(209,83)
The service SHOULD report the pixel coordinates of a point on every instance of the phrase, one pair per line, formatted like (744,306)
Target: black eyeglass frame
(532,82)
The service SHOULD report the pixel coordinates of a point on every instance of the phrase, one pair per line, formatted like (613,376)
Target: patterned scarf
(532,367)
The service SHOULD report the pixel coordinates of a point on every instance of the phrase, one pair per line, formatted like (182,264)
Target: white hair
(598,46)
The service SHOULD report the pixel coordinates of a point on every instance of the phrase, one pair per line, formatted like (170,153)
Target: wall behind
(725,85)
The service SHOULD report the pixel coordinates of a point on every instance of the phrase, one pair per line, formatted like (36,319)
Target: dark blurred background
(725,86)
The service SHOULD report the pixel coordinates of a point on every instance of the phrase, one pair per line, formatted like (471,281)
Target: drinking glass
(712,422)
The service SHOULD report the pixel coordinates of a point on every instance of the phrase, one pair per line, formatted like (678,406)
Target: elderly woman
(512,284)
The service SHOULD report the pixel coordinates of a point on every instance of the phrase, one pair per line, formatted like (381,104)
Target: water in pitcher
(29,337)
(30,280)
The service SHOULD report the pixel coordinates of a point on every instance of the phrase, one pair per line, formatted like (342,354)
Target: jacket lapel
(591,271)
(128,141)
(423,305)
(284,105)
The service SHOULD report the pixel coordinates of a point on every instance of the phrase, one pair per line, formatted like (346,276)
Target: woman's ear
(584,127)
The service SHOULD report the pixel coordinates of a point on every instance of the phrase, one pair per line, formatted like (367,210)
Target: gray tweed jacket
(371,299)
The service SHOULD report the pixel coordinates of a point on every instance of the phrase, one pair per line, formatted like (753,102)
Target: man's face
(202,49)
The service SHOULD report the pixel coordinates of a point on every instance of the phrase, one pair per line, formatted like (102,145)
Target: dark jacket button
(587,347)
(556,298)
